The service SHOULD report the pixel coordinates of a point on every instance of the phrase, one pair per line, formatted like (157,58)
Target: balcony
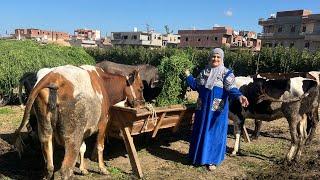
(312,37)
(265,22)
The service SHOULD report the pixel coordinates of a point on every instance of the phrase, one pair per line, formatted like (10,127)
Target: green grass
(117,173)
(5,110)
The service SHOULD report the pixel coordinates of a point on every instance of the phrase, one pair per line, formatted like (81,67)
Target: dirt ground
(165,157)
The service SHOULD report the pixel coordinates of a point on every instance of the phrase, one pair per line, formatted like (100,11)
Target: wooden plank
(245,134)
(155,131)
(175,129)
(131,150)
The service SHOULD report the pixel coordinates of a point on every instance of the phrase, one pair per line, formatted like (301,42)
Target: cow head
(134,90)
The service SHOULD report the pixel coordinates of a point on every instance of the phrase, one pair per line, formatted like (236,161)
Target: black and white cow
(311,75)
(294,98)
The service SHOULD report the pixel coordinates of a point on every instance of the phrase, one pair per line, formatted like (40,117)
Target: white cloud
(228,13)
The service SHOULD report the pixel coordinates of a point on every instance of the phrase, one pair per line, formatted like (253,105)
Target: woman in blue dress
(215,85)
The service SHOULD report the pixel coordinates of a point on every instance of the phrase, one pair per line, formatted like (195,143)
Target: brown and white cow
(294,98)
(72,103)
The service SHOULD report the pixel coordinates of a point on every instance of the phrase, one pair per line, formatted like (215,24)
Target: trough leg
(133,156)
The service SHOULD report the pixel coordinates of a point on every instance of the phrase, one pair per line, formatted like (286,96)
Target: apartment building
(136,38)
(87,38)
(40,35)
(170,40)
(218,37)
(87,34)
(298,28)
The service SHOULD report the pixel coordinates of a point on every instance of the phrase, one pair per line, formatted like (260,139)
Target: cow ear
(132,76)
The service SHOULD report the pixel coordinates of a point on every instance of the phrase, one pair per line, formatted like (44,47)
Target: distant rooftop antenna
(148,27)
(135,29)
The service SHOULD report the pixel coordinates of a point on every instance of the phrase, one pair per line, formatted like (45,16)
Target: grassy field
(165,157)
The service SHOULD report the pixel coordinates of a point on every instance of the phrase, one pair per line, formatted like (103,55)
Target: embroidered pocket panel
(217,104)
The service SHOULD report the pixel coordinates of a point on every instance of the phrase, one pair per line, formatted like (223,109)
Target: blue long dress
(209,134)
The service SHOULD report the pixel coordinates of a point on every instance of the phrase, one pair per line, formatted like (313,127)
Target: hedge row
(171,63)
(19,57)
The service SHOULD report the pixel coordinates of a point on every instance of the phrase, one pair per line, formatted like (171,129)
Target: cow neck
(116,85)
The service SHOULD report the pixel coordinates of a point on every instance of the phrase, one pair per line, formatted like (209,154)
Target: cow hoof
(103,171)
(233,154)
(84,172)
(254,137)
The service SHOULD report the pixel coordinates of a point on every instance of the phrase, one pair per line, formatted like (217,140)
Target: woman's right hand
(187,72)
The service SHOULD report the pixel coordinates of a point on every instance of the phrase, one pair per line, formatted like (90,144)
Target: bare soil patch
(165,157)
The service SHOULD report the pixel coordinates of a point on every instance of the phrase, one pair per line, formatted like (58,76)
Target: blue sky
(124,15)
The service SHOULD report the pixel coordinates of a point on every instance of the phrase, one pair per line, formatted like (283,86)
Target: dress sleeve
(230,86)
(192,82)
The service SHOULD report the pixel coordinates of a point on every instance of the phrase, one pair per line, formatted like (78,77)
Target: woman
(215,84)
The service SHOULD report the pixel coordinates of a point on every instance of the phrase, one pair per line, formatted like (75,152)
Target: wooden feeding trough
(132,121)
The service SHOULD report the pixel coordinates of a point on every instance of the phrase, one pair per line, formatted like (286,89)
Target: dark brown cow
(149,76)
(71,104)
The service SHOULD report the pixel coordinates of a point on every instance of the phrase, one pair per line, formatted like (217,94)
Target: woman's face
(215,60)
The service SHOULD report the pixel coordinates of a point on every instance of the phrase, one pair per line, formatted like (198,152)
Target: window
(199,39)
(207,38)
(293,28)
(280,29)
(125,37)
(187,39)
(307,45)
(291,44)
(304,28)
(134,37)
(216,38)
(159,38)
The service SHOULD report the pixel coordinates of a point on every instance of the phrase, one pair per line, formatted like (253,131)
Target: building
(40,35)
(170,40)
(299,29)
(136,38)
(87,34)
(218,37)
(87,38)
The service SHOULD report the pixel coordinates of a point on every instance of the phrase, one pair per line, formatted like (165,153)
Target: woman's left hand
(244,101)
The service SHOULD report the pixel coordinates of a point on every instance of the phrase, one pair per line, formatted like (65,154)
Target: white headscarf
(215,71)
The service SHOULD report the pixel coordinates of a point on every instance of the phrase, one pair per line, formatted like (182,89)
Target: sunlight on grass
(5,110)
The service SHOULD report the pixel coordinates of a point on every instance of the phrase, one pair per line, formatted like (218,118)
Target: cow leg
(293,122)
(83,148)
(47,151)
(312,123)
(257,129)
(238,125)
(45,134)
(100,144)
(72,150)
(302,136)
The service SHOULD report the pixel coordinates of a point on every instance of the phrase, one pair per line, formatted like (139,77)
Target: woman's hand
(187,72)
(244,101)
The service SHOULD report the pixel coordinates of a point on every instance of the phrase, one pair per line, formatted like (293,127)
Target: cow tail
(43,83)
(52,96)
